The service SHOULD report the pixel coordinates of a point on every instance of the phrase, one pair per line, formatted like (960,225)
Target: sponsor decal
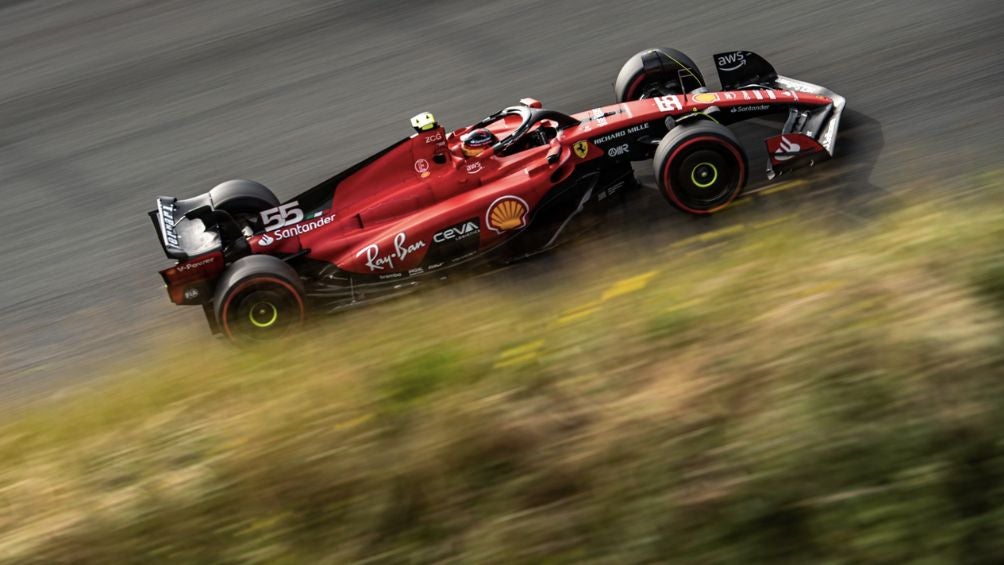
(391,276)
(730,95)
(460,231)
(731,61)
(611,137)
(282,216)
(787,146)
(599,116)
(196,265)
(618,150)
(286,233)
(737,109)
(669,103)
(167,223)
(376,261)
(705,98)
(438,136)
(507,213)
(474,168)
(191,293)
(422,167)
(415,271)
(581,148)
(622,133)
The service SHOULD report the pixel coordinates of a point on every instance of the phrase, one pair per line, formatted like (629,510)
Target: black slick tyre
(243,199)
(259,299)
(661,76)
(700,167)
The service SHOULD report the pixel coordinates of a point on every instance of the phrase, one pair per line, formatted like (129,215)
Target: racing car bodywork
(420,208)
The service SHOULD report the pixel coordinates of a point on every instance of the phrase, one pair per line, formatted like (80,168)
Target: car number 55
(280,216)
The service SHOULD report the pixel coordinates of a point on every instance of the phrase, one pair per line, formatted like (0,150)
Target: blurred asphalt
(105,105)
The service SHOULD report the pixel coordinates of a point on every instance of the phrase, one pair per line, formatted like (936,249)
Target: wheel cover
(263,314)
(703,174)
(261,309)
(706,172)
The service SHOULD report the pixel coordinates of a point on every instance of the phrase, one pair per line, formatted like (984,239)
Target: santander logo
(786,146)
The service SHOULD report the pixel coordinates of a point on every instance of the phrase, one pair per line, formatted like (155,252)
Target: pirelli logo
(166,212)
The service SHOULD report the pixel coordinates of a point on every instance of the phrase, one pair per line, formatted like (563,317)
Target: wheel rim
(703,175)
(262,310)
(263,314)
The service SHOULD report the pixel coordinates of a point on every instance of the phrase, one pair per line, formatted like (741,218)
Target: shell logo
(507,213)
(705,98)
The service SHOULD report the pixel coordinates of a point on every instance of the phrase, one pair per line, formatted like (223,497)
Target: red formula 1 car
(494,191)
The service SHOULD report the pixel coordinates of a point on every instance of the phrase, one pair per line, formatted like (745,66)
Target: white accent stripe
(758,95)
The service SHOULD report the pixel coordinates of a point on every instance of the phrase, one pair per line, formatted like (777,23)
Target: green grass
(782,394)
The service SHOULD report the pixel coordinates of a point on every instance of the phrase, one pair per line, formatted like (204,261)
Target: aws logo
(731,61)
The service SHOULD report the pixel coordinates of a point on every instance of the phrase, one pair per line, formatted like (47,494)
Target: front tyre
(259,298)
(657,72)
(700,167)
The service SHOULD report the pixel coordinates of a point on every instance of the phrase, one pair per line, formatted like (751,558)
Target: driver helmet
(474,142)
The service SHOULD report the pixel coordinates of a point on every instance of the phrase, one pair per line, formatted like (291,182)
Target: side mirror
(554,154)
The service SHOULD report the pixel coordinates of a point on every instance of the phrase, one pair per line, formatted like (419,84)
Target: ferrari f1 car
(426,205)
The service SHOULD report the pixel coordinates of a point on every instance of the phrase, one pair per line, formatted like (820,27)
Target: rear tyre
(259,299)
(700,167)
(244,200)
(666,68)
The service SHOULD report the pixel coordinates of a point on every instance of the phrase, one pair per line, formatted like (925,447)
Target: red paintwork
(203,268)
(785,148)
(405,191)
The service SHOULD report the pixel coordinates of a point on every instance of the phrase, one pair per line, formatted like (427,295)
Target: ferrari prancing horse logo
(581,148)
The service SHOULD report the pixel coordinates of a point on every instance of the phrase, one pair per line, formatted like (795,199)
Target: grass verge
(783,394)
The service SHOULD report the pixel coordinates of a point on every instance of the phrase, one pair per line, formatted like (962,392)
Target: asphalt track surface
(104,105)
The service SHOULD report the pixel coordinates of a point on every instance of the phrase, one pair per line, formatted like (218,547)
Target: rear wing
(739,70)
(180,235)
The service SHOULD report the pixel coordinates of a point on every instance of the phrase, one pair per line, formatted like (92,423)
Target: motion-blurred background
(105,105)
